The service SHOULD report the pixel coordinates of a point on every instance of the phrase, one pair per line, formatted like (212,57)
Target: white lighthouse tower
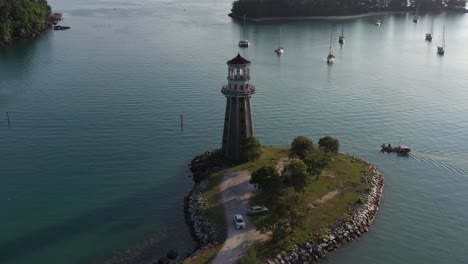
(238,122)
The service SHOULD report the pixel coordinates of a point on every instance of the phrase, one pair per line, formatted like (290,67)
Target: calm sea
(95,163)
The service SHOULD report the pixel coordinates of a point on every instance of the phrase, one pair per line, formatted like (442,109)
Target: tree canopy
(290,212)
(267,178)
(251,149)
(22,18)
(329,144)
(297,176)
(286,8)
(301,147)
(317,161)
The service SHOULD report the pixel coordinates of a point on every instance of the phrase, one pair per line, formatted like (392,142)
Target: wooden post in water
(182,122)
(8,119)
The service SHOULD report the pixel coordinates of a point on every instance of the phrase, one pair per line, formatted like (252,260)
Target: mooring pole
(182,122)
(8,119)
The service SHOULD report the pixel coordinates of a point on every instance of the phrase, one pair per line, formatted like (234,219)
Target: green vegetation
(301,207)
(300,147)
(214,210)
(22,18)
(288,8)
(298,215)
(251,149)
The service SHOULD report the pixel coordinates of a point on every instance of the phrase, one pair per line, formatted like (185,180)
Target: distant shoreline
(299,18)
(291,18)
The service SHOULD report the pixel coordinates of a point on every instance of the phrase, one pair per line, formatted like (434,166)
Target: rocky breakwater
(203,229)
(362,213)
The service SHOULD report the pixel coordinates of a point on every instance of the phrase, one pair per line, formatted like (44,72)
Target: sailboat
(280,49)
(416,18)
(429,35)
(341,38)
(244,43)
(378,22)
(331,56)
(441,50)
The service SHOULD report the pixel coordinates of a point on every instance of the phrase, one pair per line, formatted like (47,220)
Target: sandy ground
(235,192)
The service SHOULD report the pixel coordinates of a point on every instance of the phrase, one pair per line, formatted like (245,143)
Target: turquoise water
(95,161)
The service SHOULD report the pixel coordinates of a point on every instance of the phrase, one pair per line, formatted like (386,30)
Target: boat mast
(331,34)
(342,30)
(279,40)
(244,26)
(443,38)
(432,26)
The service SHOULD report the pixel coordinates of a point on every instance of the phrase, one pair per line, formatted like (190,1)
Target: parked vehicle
(257,209)
(239,221)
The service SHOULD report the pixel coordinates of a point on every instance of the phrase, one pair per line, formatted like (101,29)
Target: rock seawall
(342,232)
(202,228)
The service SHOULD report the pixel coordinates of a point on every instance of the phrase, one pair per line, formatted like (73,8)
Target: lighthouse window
(242,87)
(241,73)
(235,86)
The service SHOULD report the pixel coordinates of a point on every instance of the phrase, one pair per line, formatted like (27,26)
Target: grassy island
(22,19)
(302,209)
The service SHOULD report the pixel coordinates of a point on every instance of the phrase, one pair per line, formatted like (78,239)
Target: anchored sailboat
(416,18)
(441,49)
(341,38)
(429,35)
(378,22)
(280,49)
(244,43)
(331,56)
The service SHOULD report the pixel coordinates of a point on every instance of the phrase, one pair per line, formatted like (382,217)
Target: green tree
(317,161)
(289,214)
(267,179)
(269,223)
(22,18)
(329,144)
(296,174)
(292,209)
(301,147)
(251,149)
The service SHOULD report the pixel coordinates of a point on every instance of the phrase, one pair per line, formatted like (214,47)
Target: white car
(239,221)
(257,209)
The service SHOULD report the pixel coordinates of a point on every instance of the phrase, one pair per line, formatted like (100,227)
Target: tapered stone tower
(238,122)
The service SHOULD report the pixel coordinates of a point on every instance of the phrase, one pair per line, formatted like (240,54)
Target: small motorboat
(397,149)
(61,28)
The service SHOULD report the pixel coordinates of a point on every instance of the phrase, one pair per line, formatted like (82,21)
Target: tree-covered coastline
(303,8)
(22,19)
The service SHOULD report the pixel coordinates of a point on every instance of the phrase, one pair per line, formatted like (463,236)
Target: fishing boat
(244,43)
(61,28)
(397,149)
(341,38)
(441,49)
(280,49)
(429,35)
(331,56)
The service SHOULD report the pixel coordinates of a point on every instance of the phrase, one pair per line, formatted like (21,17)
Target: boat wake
(446,161)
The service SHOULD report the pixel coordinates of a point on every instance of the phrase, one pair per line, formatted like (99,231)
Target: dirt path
(281,163)
(325,198)
(235,192)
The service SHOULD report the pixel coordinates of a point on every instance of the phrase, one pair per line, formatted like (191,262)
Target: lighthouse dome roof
(238,60)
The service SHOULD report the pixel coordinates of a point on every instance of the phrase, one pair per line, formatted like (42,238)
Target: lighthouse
(238,121)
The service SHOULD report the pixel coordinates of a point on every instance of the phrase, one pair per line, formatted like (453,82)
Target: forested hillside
(291,8)
(22,18)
